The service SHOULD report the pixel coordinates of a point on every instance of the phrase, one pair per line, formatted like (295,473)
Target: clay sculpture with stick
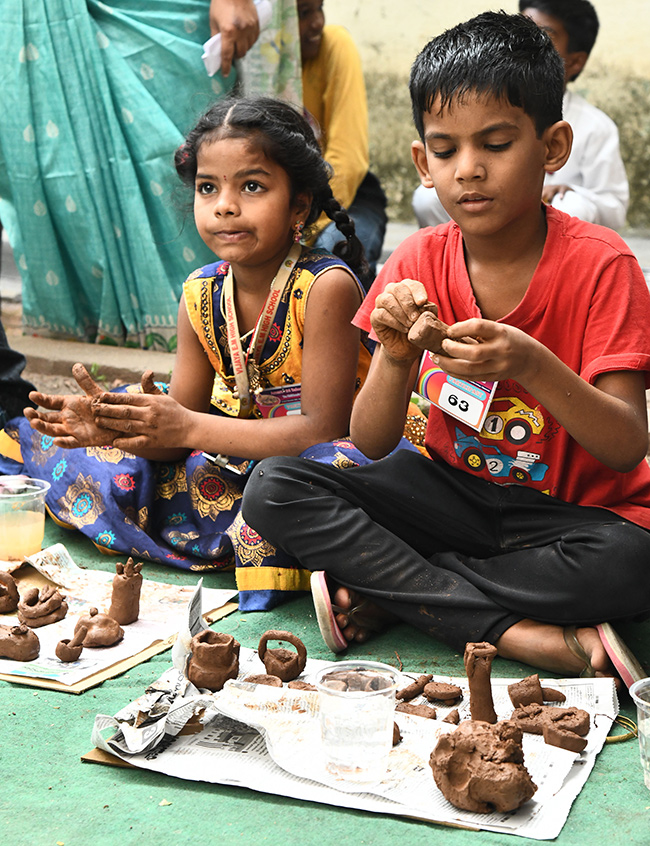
(9,597)
(19,643)
(101,630)
(70,649)
(478,665)
(125,599)
(479,767)
(283,663)
(214,660)
(40,608)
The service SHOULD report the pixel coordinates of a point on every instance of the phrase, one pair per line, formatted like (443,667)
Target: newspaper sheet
(163,610)
(268,739)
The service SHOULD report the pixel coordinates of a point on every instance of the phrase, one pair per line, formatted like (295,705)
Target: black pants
(459,557)
(14,389)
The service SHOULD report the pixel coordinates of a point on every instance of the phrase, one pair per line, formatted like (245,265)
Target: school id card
(279,402)
(465,400)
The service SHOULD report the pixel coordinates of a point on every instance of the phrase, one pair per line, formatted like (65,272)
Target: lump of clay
(283,663)
(215,659)
(452,717)
(102,630)
(478,665)
(70,648)
(8,593)
(422,710)
(299,684)
(428,332)
(19,643)
(555,735)
(264,678)
(37,609)
(479,767)
(442,692)
(397,735)
(528,691)
(414,689)
(125,599)
(550,694)
(532,718)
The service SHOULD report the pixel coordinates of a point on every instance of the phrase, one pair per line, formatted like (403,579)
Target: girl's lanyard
(245,366)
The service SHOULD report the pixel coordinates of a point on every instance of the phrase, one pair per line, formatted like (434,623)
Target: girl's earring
(298,226)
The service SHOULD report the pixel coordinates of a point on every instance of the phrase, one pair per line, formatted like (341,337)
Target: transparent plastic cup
(357,707)
(22,516)
(640,693)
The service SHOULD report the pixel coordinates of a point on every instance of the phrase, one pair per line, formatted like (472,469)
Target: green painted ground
(50,798)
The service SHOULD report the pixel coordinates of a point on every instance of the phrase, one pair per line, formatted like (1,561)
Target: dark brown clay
(528,691)
(414,689)
(532,718)
(442,692)
(102,630)
(478,666)
(125,599)
(428,332)
(215,659)
(19,643)
(452,717)
(9,597)
(40,608)
(555,735)
(70,649)
(421,710)
(283,663)
(550,694)
(397,735)
(479,767)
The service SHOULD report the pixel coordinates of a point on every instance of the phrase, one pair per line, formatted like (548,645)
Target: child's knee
(264,490)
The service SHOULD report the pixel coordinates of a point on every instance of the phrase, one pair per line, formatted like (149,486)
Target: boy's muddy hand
(396,310)
(143,421)
(505,352)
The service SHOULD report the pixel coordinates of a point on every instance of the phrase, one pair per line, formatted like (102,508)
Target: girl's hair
(286,138)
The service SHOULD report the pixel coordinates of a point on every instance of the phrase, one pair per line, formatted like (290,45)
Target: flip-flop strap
(575,647)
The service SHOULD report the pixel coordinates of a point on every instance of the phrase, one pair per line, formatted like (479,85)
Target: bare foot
(542,645)
(371,618)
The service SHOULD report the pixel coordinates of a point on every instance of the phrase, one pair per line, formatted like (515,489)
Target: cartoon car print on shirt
(521,468)
(511,419)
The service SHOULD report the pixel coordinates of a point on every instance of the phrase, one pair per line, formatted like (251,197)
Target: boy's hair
(285,137)
(578,17)
(505,56)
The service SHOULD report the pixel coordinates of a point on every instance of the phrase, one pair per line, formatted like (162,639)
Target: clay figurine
(414,689)
(442,692)
(428,332)
(125,600)
(102,630)
(37,609)
(479,767)
(478,665)
(555,735)
(532,718)
(8,593)
(19,643)
(283,663)
(264,678)
(70,648)
(526,692)
(215,659)
(421,710)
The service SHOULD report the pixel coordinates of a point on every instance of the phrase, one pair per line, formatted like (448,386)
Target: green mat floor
(51,798)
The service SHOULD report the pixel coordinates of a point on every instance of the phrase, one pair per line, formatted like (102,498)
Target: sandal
(326,611)
(575,647)
(626,665)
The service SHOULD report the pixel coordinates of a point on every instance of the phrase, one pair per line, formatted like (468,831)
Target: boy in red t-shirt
(533,532)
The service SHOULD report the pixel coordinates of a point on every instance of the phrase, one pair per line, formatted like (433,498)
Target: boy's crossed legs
(456,556)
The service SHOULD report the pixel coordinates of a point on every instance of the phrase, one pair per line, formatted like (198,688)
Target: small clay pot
(19,643)
(8,593)
(125,599)
(283,663)
(70,649)
(102,630)
(215,659)
(40,608)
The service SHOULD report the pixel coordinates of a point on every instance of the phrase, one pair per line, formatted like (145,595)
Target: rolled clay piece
(531,718)
(125,599)
(19,643)
(397,736)
(414,689)
(264,678)
(9,597)
(550,694)
(480,768)
(37,609)
(442,692)
(526,692)
(478,665)
(299,684)
(214,660)
(452,717)
(422,710)
(102,630)
(283,663)
(428,332)
(554,735)
(70,649)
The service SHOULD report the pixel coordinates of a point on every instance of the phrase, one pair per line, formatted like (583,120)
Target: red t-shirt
(588,302)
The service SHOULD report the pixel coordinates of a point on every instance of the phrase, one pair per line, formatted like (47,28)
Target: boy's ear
(419,156)
(558,139)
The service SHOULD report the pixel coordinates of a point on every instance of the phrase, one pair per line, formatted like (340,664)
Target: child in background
(334,97)
(268,326)
(592,185)
(539,562)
